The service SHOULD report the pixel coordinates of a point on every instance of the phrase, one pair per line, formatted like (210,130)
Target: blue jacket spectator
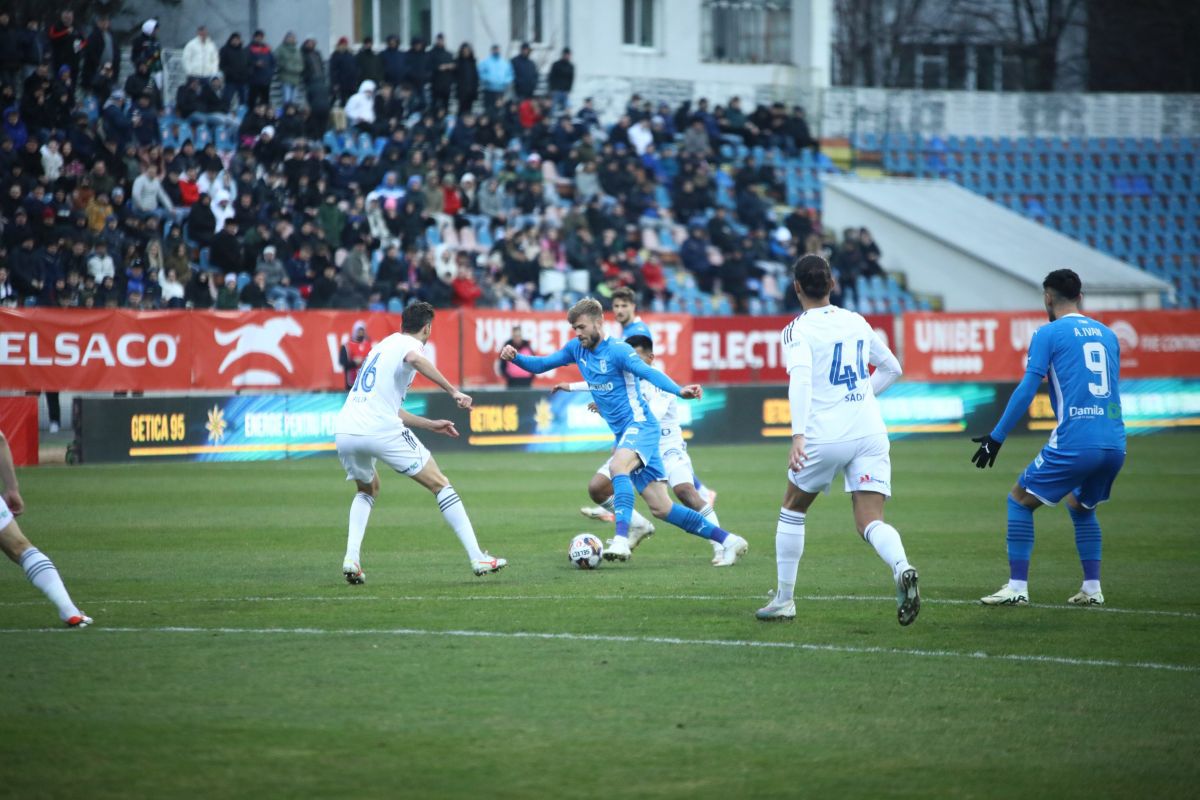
(393,62)
(495,74)
(524,73)
(117,126)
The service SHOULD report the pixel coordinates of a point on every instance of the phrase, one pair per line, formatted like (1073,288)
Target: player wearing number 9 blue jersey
(1080,358)
(373,425)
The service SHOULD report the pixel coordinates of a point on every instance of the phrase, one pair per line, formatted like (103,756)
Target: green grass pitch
(285,682)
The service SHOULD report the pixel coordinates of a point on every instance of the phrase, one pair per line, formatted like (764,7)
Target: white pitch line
(825,598)
(664,640)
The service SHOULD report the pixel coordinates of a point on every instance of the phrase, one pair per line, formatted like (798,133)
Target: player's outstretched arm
(416,422)
(576,386)
(426,367)
(887,366)
(656,377)
(538,364)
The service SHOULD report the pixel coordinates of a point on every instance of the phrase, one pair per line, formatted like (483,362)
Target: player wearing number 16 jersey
(1081,359)
(374,425)
(836,427)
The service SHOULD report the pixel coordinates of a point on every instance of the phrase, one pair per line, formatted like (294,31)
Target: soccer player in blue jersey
(1081,359)
(614,373)
(624,305)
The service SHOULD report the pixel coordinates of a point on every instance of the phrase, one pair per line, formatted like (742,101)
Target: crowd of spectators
(275,177)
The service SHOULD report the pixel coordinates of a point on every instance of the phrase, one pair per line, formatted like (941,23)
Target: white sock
(456,516)
(1091,587)
(44,575)
(636,519)
(710,514)
(360,512)
(789,547)
(886,541)
(609,505)
(1018,586)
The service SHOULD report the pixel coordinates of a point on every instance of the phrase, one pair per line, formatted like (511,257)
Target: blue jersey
(636,328)
(1081,358)
(613,372)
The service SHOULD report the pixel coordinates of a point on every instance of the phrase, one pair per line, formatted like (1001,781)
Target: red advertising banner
(747,349)
(485,331)
(100,350)
(115,350)
(266,350)
(991,346)
(19,423)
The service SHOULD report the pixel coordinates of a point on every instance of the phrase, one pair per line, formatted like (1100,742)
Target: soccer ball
(586,551)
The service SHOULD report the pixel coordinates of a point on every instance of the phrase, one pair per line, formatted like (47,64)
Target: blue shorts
(642,438)
(1090,475)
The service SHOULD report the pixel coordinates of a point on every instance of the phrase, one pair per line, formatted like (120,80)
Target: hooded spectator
(360,109)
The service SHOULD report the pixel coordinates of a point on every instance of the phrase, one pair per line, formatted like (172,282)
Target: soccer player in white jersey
(836,427)
(676,461)
(374,425)
(38,568)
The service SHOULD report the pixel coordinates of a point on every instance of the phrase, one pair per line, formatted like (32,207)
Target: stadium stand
(1134,199)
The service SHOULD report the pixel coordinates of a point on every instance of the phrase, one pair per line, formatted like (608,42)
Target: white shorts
(865,462)
(6,516)
(402,451)
(677,465)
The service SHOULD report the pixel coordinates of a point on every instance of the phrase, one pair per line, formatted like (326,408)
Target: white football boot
(718,553)
(908,597)
(1083,598)
(1006,596)
(777,610)
(639,531)
(617,549)
(597,512)
(734,548)
(353,573)
(488,564)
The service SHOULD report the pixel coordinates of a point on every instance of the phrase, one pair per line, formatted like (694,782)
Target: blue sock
(1087,541)
(1020,540)
(692,522)
(622,503)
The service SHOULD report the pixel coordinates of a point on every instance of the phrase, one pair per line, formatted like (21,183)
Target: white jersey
(832,347)
(666,411)
(373,405)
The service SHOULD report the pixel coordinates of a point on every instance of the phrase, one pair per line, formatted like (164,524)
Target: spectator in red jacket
(464,290)
(354,352)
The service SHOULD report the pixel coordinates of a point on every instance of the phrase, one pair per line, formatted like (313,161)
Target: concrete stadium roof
(992,234)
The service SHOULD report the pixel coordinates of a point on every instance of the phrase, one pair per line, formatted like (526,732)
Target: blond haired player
(836,427)
(374,425)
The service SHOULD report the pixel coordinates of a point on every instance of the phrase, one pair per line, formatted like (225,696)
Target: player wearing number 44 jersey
(374,425)
(1080,357)
(836,427)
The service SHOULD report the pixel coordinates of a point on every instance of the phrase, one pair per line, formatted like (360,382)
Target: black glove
(985,456)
